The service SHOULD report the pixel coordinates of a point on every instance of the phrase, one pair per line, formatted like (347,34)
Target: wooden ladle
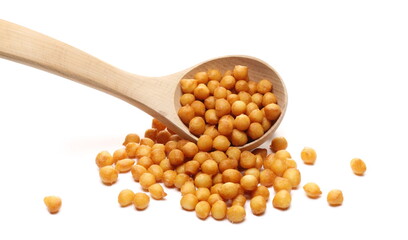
(157,96)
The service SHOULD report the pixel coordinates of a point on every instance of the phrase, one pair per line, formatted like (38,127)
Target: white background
(345,67)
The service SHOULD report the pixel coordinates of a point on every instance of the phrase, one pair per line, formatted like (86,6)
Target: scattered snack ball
(108,174)
(282,199)
(141,201)
(124,165)
(308,155)
(258,205)
(53,203)
(293,175)
(156,191)
(278,143)
(219,210)
(126,197)
(189,201)
(335,197)
(203,209)
(146,180)
(132,137)
(261,191)
(281,183)
(358,166)
(312,190)
(236,214)
(103,159)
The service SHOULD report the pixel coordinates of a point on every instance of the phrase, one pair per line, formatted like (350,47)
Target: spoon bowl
(157,96)
(257,70)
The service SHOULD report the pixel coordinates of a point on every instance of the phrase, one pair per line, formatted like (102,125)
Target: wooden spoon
(157,96)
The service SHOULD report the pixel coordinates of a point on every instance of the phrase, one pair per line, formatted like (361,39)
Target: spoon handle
(153,95)
(26,46)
